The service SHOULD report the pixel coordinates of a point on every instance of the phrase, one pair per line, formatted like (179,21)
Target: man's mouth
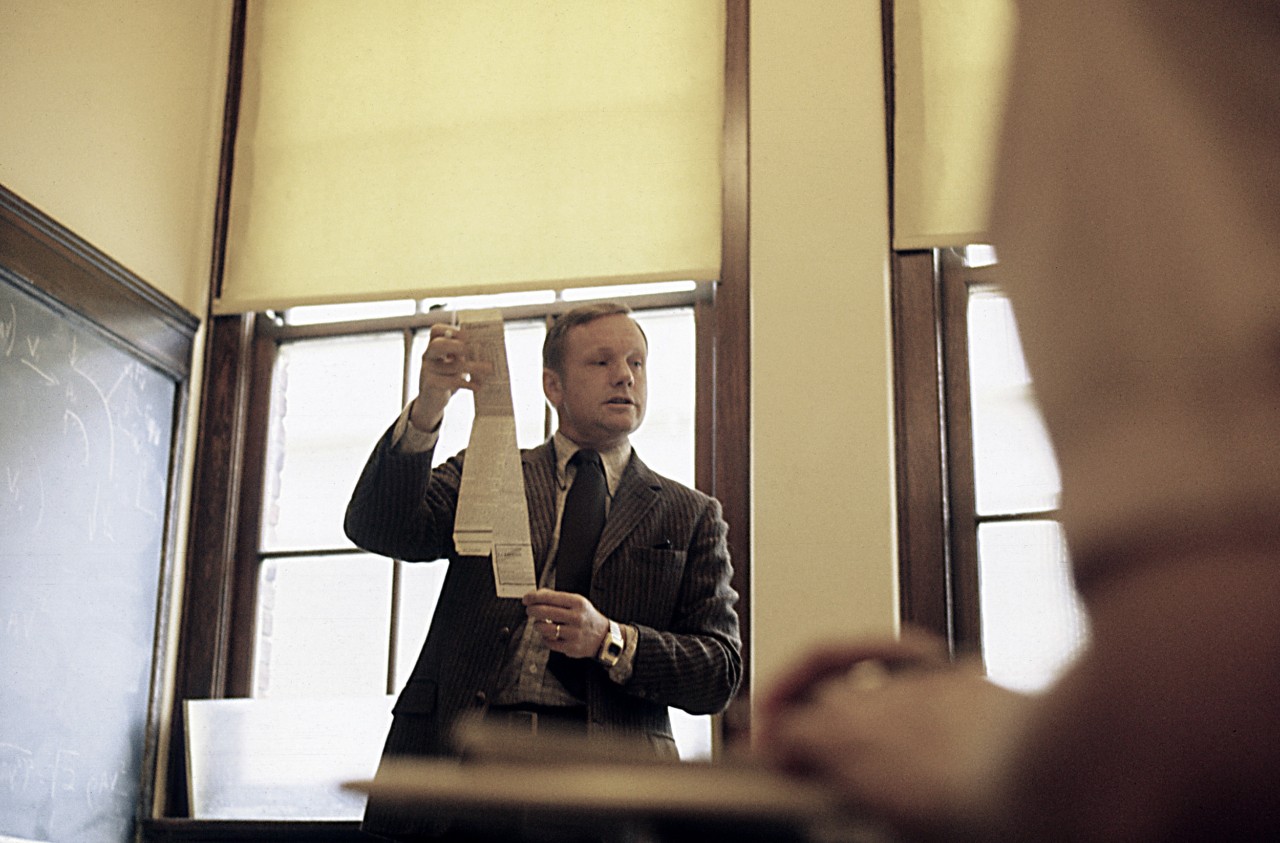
(623,401)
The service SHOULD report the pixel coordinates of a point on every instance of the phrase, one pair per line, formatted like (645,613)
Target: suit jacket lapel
(540,491)
(636,494)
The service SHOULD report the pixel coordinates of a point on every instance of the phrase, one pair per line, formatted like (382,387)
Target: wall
(824,559)
(112,126)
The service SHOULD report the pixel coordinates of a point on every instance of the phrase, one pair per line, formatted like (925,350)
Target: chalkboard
(86,436)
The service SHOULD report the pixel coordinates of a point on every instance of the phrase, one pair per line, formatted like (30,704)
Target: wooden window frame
(933,433)
(937,517)
(218,603)
(269,336)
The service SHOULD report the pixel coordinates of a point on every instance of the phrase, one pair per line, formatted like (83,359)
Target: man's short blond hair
(557,337)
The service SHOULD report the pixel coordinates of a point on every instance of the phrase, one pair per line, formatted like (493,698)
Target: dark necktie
(580,528)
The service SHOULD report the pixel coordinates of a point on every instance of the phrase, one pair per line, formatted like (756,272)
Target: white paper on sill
(282,759)
(493,517)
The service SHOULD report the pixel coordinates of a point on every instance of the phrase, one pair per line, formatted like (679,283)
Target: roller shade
(951,60)
(406,148)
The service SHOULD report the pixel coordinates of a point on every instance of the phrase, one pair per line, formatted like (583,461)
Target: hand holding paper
(447,366)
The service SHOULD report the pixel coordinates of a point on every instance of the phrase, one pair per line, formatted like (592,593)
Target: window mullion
(257,412)
(397,567)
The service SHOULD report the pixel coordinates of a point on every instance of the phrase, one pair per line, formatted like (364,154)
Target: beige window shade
(950,62)
(406,148)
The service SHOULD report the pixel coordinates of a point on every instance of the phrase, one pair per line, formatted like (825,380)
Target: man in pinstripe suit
(656,627)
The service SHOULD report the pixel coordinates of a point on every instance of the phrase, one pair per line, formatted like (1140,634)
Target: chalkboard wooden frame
(66,268)
(40,257)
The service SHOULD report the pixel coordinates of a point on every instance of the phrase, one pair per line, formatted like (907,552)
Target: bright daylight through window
(1032,622)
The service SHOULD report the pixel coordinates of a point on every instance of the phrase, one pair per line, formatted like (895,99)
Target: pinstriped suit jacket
(662,565)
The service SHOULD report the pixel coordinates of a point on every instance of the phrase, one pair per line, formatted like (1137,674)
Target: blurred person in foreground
(1138,229)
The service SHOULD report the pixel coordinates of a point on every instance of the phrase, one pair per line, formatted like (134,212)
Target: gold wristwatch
(611,649)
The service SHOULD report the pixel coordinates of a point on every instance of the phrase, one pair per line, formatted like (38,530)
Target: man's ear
(551,387)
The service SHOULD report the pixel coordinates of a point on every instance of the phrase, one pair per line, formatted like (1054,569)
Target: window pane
(331,400)
(666,439)
(1032,621)
(322,626)
(1013,462)
(420,585)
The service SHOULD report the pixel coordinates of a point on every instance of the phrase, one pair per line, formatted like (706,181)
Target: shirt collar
(614,459)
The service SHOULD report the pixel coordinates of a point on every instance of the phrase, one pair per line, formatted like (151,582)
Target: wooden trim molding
(204,659)
(731,415)
(67,268)
(209,611)
(937,538)
(227,154)
(169,830)
(919,421)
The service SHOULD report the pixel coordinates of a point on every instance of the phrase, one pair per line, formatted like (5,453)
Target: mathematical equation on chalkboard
(102,419)
(56,775)
(86,434)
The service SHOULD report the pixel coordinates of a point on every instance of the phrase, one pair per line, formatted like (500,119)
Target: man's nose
(622,373)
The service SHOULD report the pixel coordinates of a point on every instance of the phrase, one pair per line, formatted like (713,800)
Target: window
(331,620)
(279,605)
(217,655)
(984,560)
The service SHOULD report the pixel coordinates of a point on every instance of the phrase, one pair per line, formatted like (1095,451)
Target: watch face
(613,644)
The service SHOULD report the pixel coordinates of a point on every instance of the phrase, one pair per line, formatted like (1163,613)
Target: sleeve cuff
(407,439)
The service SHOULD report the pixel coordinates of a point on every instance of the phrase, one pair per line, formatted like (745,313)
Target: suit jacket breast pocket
(643,584)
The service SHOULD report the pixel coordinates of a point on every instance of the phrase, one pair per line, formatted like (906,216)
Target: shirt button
(481,696)
(504,632)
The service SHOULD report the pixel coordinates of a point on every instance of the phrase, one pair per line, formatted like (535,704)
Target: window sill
(180,830)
